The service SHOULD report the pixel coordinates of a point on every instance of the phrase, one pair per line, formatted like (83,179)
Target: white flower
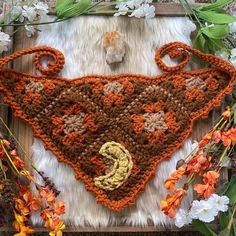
(144,10)
(222,54)
(122,8)
(16,13)
(149,11)
(233,52)
(233,61)
(138,13)
(148,1)
(203,211)
(41,8)
(219,202)
(134,3)
(232,27)
(30,30)
(182,218)
(29,13)
(4,41)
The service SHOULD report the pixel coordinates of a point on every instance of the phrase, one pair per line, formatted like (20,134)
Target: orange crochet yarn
(114,130)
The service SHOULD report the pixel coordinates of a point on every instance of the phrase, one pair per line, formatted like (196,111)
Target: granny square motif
(114,130)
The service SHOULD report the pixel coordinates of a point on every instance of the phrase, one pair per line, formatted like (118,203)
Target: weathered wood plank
(162,9)
(122,228)
(9,30)
(21,130)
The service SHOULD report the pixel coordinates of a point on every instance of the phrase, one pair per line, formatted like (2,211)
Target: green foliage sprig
(213,22)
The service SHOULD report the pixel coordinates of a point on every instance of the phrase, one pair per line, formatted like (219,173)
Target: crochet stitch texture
(114,130)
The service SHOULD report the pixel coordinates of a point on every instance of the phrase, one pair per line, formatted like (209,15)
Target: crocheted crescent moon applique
(114,130)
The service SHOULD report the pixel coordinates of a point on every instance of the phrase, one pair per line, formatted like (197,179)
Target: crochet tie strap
(114,130)
(53,67)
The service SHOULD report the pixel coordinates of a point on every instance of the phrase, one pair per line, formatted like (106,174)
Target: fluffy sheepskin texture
(81,42)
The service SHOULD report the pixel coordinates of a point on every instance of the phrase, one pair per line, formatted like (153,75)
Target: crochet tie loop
(54,66)
(178,49)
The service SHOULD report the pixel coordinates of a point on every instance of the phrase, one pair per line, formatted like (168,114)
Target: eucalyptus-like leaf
(216,4)
(216,31)
(215,17)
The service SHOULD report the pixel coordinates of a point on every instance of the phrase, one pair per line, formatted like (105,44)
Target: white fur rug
(81,42)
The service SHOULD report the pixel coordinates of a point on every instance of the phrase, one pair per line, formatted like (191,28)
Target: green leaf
(225,232)
(215,17)
(231,190)
(70,8)
(234,111)
(61,5)
(216,31)
(234,229)
(203,228)
(200,42)
(224,219)
(216,4)
(216,45)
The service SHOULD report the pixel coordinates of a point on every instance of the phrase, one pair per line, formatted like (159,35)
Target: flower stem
(109,11)
(1,166)
(13,136)
(193,12)
(42,23)
(231,218)
(9,158)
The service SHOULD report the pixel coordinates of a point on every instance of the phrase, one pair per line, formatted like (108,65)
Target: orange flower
(27,204)
(233,135)
(59,208)
(226,138)
(205,140)
(172,202)
(45,214)
(34,204)
(6,143)
(204,190)
(175,176)
(22,229)
(197,164)
(48,195)
(229,137)
(55,224)
(18,162)
(22,188)
(217,136)
(22,207)
(2,154)
(227,113)
(19,218)
(211,177)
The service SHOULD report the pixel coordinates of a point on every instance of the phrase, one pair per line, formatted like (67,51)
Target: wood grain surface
(23,132)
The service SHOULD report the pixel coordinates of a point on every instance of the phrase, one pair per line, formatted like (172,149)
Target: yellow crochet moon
(122,166)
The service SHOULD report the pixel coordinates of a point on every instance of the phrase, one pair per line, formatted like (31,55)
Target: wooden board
(24,133)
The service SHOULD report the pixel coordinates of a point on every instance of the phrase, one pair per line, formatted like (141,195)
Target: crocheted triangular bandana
(114,130)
